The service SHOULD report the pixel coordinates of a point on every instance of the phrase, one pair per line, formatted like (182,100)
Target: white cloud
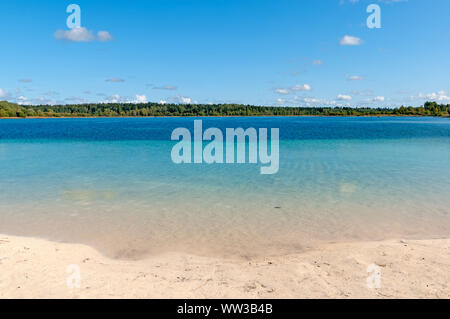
(4,94)
(318,62)
(295,88)
(439,96)
(114,99)
(81,34)
(75,100)
(379,99)
(22,100)
(104,36)
(42,100)
(310,100)
(77,34)
(185,100)
(25,80)
(350,40)
(282,91)
(342,97)
(162,102)
(303,87)
(180,100)
(141,98)
(355,78)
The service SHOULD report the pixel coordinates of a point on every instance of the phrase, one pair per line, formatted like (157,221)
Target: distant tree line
(154,109)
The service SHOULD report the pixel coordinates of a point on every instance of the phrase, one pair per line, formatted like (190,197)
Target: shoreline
(37,268)
(206,116)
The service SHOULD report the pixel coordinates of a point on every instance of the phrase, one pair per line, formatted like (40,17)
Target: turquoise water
(111,184)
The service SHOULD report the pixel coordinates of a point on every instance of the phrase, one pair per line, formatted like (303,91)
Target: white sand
(33,268)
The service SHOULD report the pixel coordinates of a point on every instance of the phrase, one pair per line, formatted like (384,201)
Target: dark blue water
(291,128)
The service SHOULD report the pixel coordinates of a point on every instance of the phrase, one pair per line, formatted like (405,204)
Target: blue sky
(287,53)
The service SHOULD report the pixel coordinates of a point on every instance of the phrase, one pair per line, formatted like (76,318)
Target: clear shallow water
(111,184)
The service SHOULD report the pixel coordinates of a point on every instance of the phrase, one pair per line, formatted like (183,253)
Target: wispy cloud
(435,96)
(22,100)
(315,101)
(141,99)
(75,99)
(4,94)
(165,87)
(355,78)
(309,101)
(318,62)
(343,97)
(115,80)
(81,34)
(77,34)
(116,98)
(295,88)
(104,36)
(350,40)
(282,91)
(301,87)
(182,100)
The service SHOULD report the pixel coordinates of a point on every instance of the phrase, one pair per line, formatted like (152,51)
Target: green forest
(12,110)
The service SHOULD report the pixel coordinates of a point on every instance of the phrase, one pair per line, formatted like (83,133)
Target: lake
(111,183)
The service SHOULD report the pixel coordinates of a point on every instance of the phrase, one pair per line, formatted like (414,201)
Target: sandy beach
(35,268)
